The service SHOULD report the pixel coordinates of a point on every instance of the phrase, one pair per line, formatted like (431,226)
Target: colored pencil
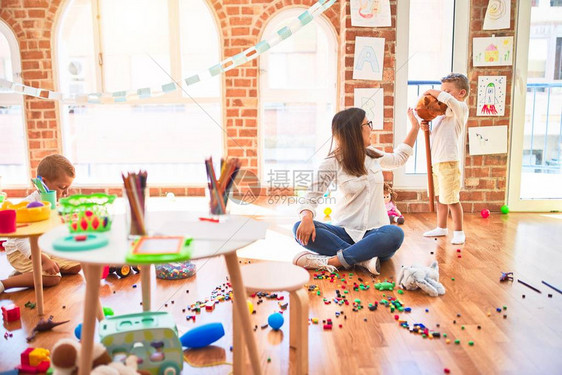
(135,185)
(219,186)
(553,287)
(529,286)
(46,189)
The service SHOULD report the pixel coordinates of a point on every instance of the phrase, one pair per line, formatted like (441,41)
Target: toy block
(25,356)
(27,369)
(10,313)
(38,355)
(44,366)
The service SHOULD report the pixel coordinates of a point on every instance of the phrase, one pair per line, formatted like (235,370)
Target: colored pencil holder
(87,213)
(214,208)
(51,197)
(7,221)
(135,212)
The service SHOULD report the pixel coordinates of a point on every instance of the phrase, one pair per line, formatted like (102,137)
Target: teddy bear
(429,107)
(65,357)
(426,278)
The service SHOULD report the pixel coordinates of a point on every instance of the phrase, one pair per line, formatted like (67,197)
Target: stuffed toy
(426,278)
(65,354)
(429,107)
(394,214)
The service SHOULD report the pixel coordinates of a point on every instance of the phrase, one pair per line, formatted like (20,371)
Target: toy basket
(87,213)
(26,214)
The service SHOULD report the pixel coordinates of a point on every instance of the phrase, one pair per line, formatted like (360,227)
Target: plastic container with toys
(87,213)
(29,212)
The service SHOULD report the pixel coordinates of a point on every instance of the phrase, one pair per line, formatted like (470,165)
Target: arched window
(297,100)
(14,164)
(115,45)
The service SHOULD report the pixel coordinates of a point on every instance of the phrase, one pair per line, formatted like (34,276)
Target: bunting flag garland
(129,95)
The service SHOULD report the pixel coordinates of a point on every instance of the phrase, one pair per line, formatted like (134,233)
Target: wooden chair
(280,276)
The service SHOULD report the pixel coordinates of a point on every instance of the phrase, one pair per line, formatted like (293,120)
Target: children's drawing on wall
(491,96)
(493,51)
(498,15)
(370,13)
(372,102)
(486,140)
(369,58)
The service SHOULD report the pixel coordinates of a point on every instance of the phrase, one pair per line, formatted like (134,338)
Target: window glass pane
(164,135)
(199,44)
(5,59)
(541,169)
(76,50)
(298,80)
(538,50)
(135,42)
(170,141)
(430,58)
(13,149)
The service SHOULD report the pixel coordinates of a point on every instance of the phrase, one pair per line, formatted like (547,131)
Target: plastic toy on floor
(425,278)
(64,360)
(506,276)
(385,286)
(34,360)
(394,214)
(44,325)
(151,336)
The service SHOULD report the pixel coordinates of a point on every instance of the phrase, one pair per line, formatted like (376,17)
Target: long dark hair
(350,151)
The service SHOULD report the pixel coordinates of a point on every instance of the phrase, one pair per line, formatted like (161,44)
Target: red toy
(34,361)
(485,213)
(11,313)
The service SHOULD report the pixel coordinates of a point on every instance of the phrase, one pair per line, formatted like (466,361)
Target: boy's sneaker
(313,261)
(437,232)
(458,237)
(372,265)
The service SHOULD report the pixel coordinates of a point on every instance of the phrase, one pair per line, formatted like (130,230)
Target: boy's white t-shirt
(446,130)
(22,244)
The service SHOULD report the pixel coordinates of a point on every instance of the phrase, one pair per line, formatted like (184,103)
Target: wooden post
(430,192)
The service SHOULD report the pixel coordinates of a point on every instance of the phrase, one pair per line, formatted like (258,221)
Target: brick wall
(241,23)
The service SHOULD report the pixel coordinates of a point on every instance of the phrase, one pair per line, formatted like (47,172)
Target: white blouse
(360,200)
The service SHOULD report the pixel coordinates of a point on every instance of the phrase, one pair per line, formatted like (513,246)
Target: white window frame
(517,133)
(15,98)
(267,95)
(418,181)
(171,98)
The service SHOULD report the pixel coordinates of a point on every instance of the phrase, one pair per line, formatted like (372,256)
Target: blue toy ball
(78,331)
(202,336)
(275,321)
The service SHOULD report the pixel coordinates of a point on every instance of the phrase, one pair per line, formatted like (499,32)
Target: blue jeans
(333,240)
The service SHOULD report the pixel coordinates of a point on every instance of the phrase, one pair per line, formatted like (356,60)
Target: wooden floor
(528,340)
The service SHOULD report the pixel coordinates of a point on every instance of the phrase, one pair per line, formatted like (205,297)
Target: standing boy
(58,174)
(445,154)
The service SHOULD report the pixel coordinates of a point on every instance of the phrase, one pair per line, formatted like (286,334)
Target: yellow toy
(25,214)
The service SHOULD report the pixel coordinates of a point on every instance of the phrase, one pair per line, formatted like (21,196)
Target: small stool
(279,276)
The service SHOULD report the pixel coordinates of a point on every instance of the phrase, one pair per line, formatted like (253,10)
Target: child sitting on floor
(394,214)
(58,174)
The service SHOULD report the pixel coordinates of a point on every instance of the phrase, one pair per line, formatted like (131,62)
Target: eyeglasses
(369,124)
